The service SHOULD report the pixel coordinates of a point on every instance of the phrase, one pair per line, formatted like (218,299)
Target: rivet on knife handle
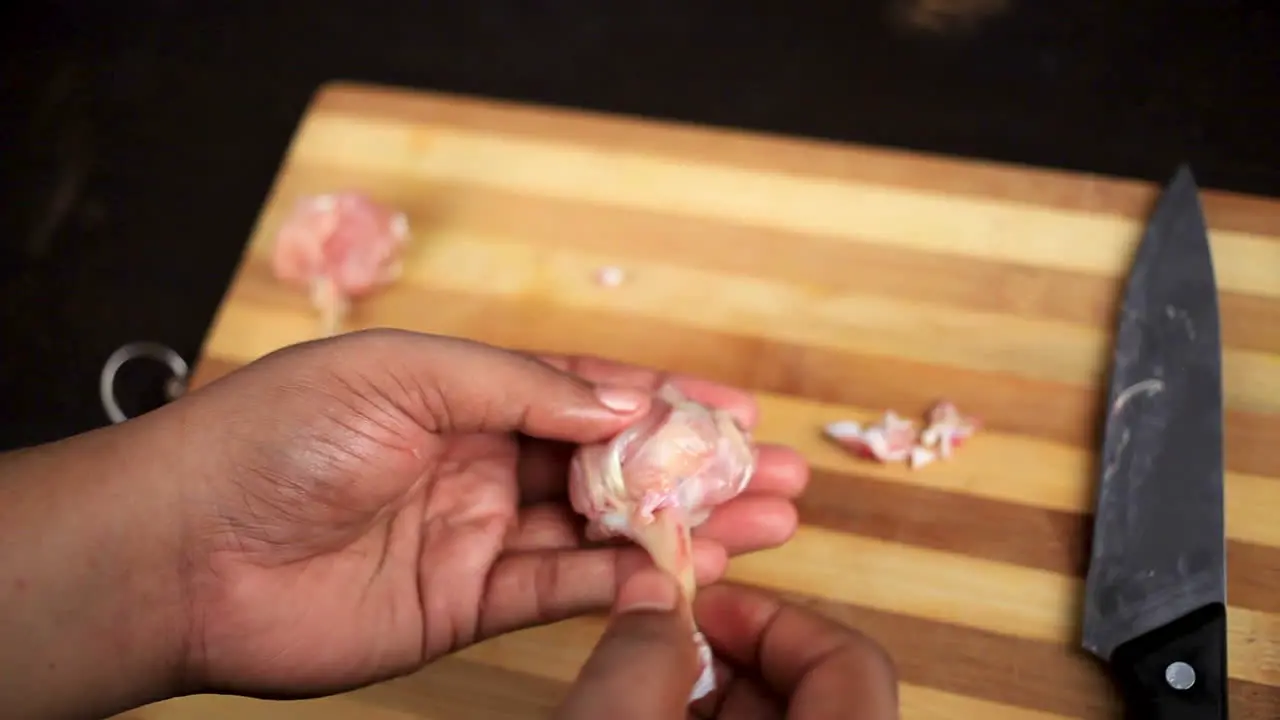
(1177,672)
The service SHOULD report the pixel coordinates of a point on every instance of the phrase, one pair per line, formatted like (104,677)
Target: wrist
(91,546)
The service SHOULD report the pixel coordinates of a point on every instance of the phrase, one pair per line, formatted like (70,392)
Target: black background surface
(137,140)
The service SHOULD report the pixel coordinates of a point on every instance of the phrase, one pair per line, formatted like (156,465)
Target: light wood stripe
(456,687)
(788,154)
(220,707)
(969,227)
(930,704)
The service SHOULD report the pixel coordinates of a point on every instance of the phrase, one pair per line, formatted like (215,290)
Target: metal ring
(132,351)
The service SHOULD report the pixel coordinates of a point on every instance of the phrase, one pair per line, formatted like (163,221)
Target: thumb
(454,385)
(645,664)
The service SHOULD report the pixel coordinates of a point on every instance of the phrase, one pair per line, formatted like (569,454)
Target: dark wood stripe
(1251,700)
(807,157)
(1005,532)
(1248,322)
(953,522)
(1032,674)
(1253,576)
(1054,411)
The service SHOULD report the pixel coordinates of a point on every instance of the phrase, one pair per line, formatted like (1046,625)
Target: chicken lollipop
(339,246)
(660,478)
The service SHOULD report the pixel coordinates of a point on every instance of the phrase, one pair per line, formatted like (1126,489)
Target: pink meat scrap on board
(339,246)
(660,478)
(889,440)
(947,430)
(895,439)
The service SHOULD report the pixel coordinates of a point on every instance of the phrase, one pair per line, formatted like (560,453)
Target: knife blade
(1155,593)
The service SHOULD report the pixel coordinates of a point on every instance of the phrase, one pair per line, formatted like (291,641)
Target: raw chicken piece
(947,428)
(921,456)
(657,480)
(610,276)
(339,246)
(890,440)
(895,439)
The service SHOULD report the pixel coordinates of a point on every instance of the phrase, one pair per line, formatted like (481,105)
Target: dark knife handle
(1152,670)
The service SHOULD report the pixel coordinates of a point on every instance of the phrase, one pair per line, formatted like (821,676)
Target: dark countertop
(138,140)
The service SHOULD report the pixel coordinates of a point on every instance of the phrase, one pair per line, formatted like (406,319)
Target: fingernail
(620,399)
(648,590)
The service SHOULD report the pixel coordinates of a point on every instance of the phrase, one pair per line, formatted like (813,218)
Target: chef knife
(1155,594)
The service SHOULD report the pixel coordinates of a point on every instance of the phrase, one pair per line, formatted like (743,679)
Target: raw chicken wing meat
(895,439)
(660,478)
(339,246)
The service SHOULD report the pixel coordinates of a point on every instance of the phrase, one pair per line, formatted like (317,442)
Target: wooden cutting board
(837,281)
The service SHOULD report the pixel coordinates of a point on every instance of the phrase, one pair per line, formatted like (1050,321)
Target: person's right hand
(774,660)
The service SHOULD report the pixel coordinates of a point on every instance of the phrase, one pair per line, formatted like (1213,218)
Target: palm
(361,545)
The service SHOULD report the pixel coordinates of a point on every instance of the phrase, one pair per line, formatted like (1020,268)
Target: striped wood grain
(836,281)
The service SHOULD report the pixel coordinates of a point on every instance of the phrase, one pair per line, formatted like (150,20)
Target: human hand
(774,660)
(363,504)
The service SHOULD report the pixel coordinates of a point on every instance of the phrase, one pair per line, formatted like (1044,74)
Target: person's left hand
(364,504)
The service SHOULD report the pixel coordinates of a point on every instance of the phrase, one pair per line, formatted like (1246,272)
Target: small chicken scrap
(660,478)
(339,246)
(895,439)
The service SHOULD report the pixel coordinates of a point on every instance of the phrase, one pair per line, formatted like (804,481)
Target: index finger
(613,372)
(820,664)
